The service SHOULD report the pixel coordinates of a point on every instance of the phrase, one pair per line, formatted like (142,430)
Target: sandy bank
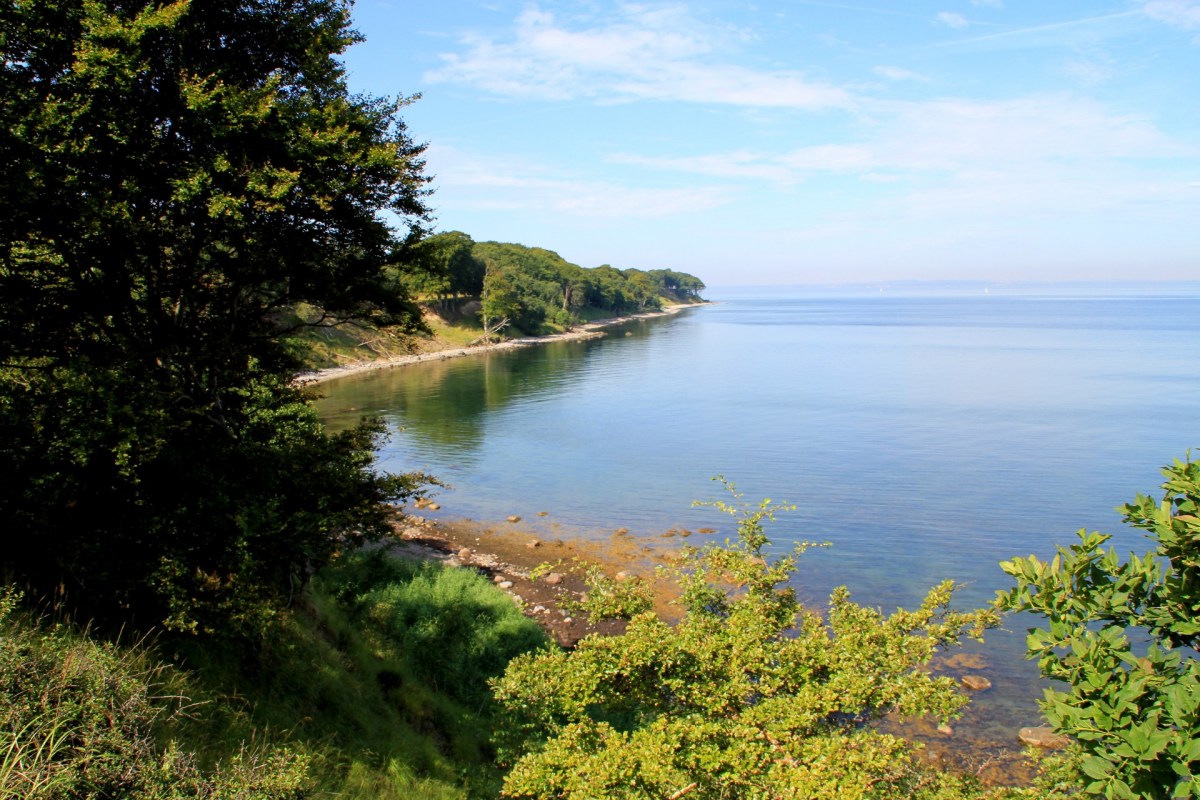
(586,330)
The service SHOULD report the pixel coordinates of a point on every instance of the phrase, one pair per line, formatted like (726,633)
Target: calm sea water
(925,436)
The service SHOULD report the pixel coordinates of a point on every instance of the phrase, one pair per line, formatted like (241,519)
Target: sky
(794,142)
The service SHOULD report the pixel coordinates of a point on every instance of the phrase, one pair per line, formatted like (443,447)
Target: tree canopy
(176,176)
(533,288)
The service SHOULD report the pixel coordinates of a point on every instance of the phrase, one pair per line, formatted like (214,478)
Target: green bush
(1121,637)
(748,696)
(448,629)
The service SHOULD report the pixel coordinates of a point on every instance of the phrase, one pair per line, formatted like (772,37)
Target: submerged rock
(1043,737)
(976,683)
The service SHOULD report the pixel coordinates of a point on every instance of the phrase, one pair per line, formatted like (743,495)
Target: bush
(1122,637)
(749,696)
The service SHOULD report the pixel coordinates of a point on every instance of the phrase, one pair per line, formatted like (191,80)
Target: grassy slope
(376,687)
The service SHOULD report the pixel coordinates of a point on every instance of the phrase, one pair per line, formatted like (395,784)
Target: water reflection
(444,405)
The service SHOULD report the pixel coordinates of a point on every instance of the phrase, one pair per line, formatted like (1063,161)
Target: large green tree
(176,175)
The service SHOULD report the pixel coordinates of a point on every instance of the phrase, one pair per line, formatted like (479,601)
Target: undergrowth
(375,688)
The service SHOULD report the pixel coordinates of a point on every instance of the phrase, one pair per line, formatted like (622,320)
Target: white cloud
(1179,13)
(949,18)
(646,53)
(971,163)
(898,74)
(952,136)
(497,182)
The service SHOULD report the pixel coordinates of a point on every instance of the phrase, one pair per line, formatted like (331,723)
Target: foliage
(608,598)
(451,268)
(175,179)
(344,698)
(451,629)
(535,289)
(78,719)
(750,695)
(353,675)
(1122,636)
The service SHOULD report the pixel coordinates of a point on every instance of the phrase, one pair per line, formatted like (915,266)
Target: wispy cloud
(949,136)
(898,74)
(1179,13)
(1088,71)
(952,20)
(499,182)
(641,54)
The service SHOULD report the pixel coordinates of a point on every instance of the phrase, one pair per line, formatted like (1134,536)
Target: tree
(176,177)
(749,696)
(1122,636)
(500,302)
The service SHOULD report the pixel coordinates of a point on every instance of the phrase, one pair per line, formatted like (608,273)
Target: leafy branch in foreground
(1122,636)
(749,695)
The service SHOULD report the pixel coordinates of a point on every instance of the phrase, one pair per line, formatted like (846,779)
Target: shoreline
(586,330)
(509,552)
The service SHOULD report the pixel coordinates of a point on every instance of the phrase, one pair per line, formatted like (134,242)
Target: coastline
(587,330)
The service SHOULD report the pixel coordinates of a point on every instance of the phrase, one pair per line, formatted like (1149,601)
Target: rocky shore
(543,575)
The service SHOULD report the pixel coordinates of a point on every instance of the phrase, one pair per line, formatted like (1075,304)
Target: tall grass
(375,688)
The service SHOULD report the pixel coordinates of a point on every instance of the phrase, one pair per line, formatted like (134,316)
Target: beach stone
(433,506)
(621,576)
(505,584)
(514,518)
(464,553)
(539,609)
(497,578)
(554,579)
(543,513)
(976,683)
(568,620)
(621,531)
(1043,737)
(532,543)
(945,730)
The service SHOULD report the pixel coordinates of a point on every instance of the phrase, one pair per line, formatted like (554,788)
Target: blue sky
(809,142)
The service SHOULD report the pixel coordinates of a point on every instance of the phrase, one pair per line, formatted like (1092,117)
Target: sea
(924,431)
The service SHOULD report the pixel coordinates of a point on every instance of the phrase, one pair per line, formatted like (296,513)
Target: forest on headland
(198,597)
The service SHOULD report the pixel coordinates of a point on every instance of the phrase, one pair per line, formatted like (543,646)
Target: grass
(375,688)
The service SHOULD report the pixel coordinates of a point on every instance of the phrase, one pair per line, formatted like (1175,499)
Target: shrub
(1121,636)
(749,696)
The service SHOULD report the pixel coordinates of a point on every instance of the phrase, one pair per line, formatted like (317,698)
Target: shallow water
(924,436)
